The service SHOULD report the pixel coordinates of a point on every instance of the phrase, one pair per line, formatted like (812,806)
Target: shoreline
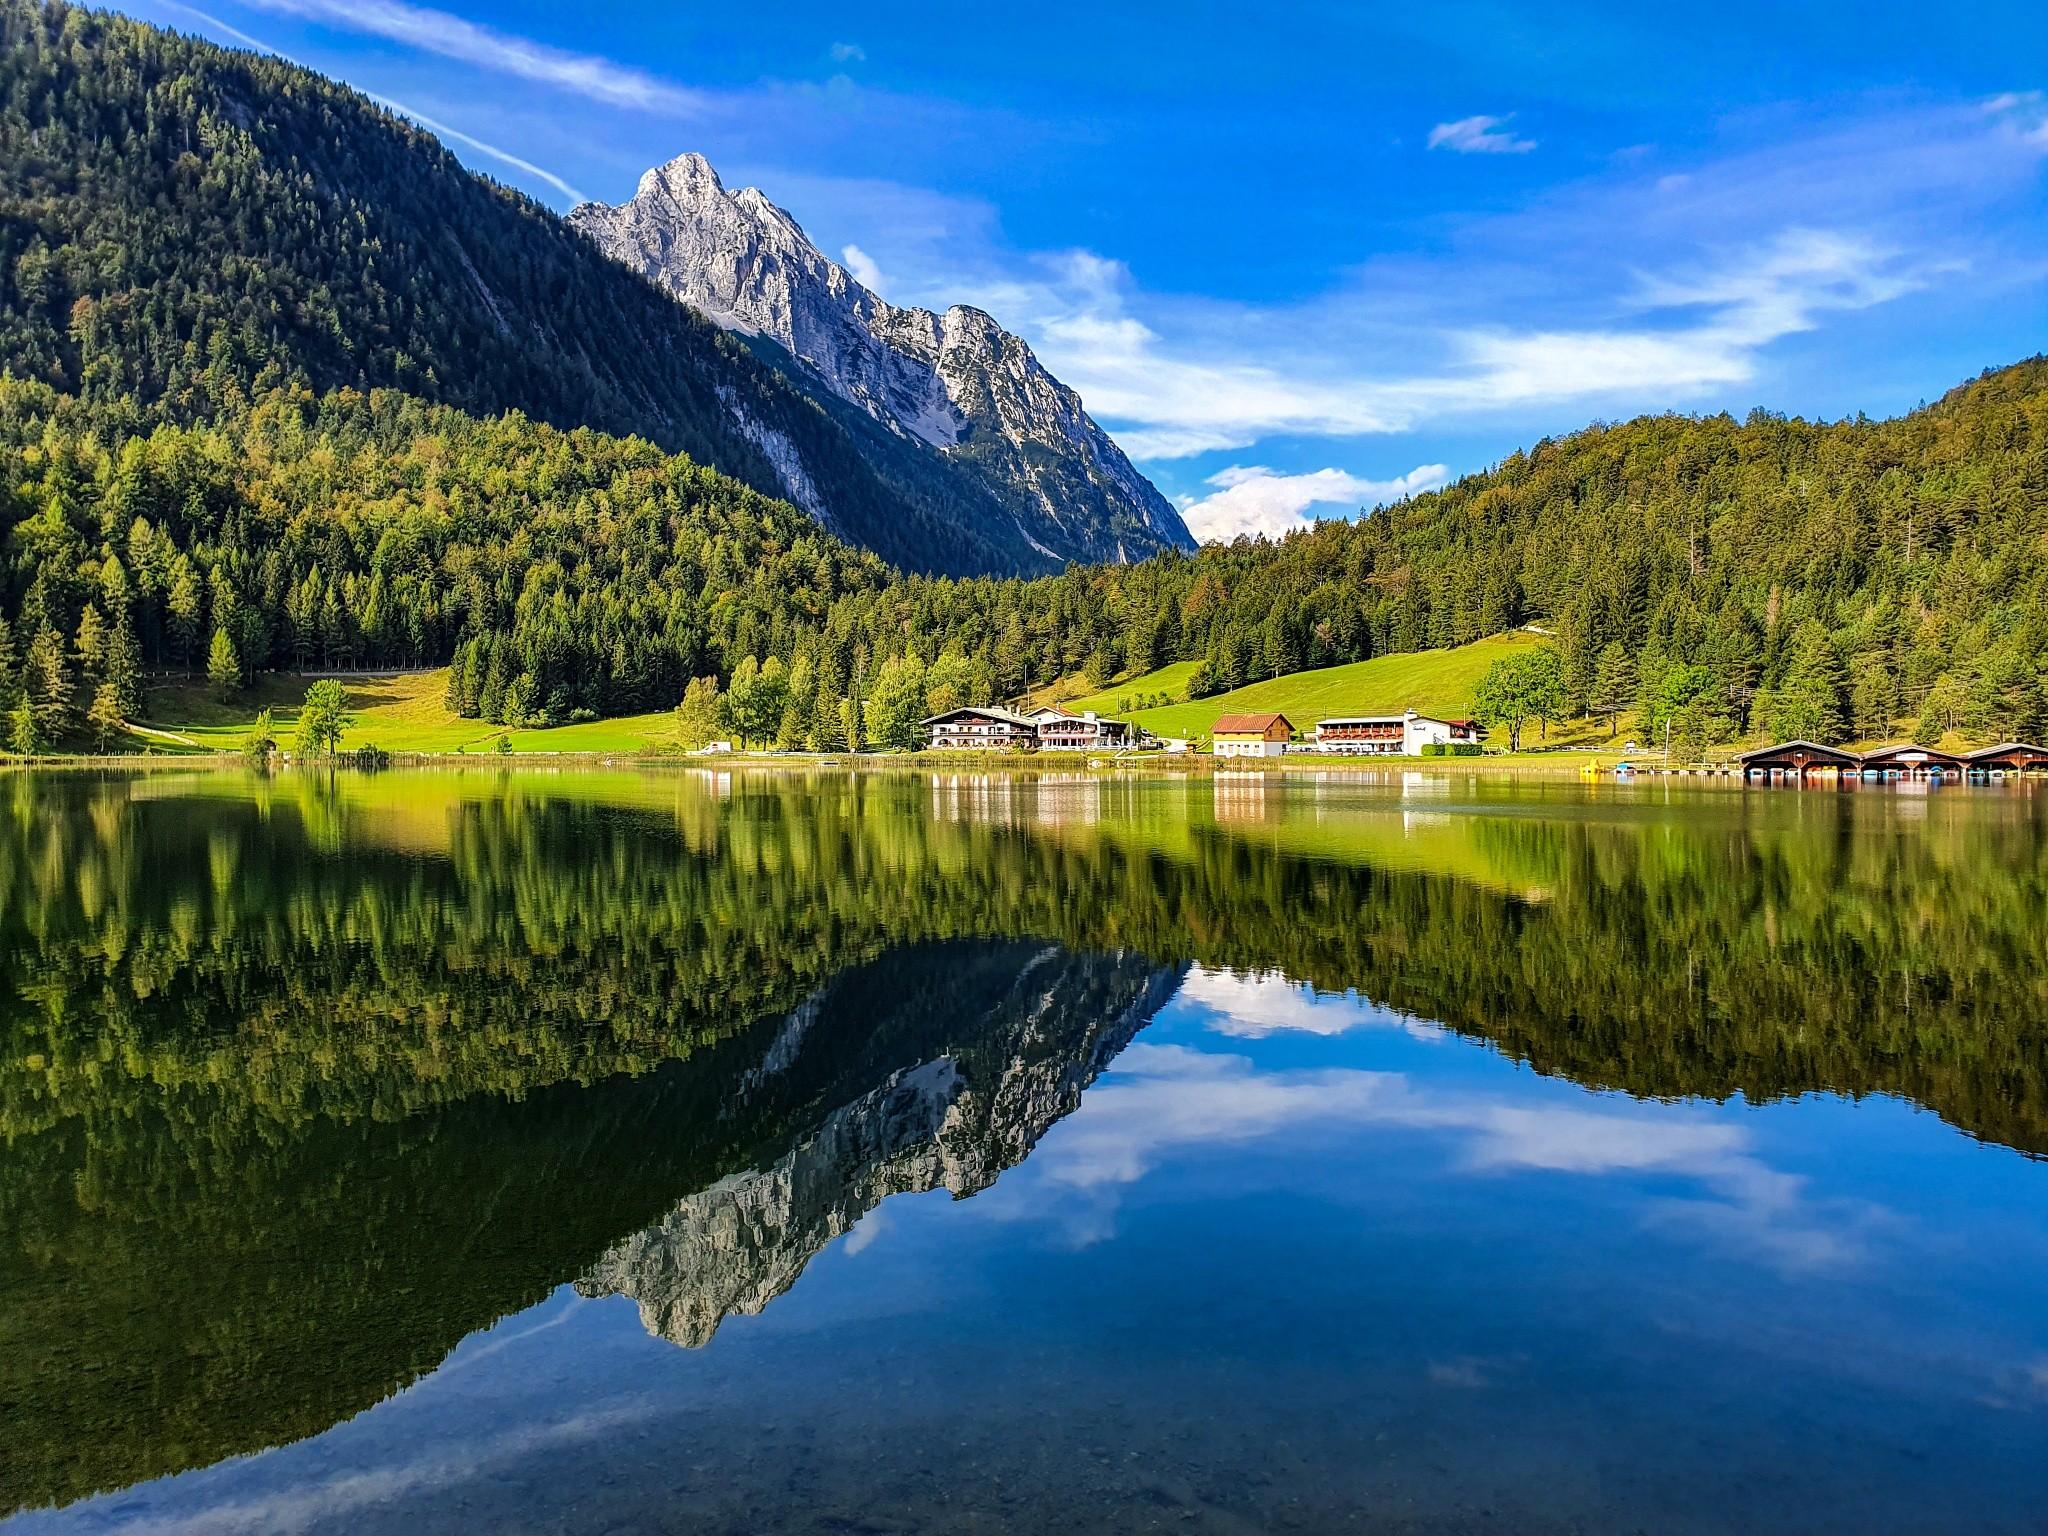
(1562,764)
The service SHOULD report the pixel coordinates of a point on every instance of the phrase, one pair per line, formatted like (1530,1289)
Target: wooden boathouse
(2007,757)
(1800,760)
(1797,760)
(1910,762)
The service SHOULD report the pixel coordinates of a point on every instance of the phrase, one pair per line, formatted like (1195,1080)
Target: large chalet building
(991,728)
(1402,735)
(1061,730)
(980,728)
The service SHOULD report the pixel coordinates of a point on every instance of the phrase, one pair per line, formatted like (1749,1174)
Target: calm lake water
(727,1153)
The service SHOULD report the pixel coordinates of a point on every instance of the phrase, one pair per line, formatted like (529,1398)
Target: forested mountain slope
(182,226)
(1710,572)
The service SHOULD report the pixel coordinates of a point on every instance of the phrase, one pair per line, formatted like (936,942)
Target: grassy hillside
(1168,682)
(1434,682)
(404,712)
(400,712)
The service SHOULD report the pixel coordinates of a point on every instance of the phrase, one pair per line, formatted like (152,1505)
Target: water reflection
(302,1084)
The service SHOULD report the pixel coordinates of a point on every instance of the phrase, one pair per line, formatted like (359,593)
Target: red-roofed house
(1251,735)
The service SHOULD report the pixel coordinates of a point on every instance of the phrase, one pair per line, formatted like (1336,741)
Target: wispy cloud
(234,1497)
(1651,286)
(505,155)
(2025,113)
(1211,378)
(453,37)
(1159,1101)
(1249,1005)
(848,53)
(1252,499)
(444,130)
(215,24)
(1479,136)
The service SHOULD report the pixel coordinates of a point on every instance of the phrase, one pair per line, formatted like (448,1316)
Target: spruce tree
(121,664)
(23,734)
(223,669)
(1614,683)
(49,686)
(105,715)
(91,643)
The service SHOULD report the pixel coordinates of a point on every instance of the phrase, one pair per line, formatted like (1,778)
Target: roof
(1402,719)
(985,711)
(1256,725)
(1910,750)
(2004,747)
(1800,745)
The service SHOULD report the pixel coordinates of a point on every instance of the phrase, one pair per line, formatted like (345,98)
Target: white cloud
(848,53)
(1651,286)
(1208,376)
(863,268)
(1479,136)
(866,1230)
(1252,499)
(452,37)
(1250,1006)
(2025,113)
(1160,1100)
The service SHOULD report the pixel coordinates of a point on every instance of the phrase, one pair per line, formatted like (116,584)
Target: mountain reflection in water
(303,1083)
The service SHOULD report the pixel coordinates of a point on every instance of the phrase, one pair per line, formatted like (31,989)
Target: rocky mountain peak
(957,385)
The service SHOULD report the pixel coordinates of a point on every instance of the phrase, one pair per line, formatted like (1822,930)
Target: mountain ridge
(956,383)
(184,227)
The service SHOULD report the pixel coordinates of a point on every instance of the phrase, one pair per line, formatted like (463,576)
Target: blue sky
(1310,257)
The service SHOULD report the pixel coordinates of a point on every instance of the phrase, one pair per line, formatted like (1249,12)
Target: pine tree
(121,664)
(223,670)
(1808,702)
(452,698)
(1614,683)
(49,686)
(497,678)
(105,715)
(23,734)
(91,643)
(182,604)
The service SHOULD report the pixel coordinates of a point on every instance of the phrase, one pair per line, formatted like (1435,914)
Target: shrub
(1432,749)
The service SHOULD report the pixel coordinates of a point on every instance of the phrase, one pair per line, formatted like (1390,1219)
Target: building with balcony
(1402,735)
(980,728)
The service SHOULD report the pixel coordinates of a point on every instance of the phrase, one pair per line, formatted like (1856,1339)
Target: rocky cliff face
(957,386)
(955,1121)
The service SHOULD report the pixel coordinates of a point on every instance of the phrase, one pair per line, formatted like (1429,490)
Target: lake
(898,1152)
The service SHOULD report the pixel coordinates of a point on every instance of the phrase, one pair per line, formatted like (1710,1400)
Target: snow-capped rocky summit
(957,386)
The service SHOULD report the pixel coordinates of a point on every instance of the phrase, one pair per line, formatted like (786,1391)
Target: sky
(1303,259)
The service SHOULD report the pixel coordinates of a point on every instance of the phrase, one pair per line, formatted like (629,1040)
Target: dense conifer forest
(266,408)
